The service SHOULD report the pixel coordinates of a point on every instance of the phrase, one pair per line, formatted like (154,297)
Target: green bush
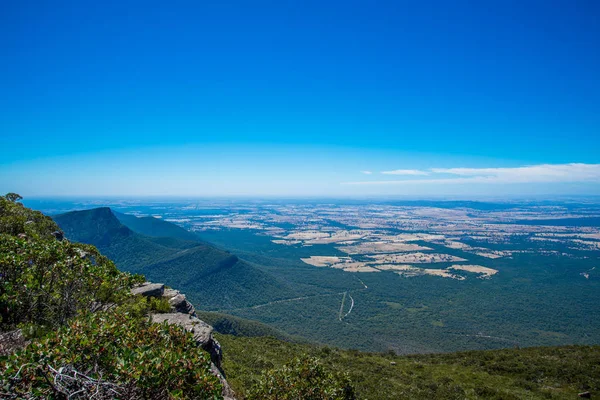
(43,281)
(46,282)
(92,337)
(303,378)
(158,360)
(17,219)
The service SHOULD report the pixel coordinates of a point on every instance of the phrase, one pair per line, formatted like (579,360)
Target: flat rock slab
(200,329)
(170,293)
(150,290)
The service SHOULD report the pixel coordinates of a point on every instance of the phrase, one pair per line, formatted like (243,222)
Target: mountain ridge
(208,274)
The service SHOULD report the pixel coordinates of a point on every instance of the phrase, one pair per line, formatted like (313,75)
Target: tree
(13,197)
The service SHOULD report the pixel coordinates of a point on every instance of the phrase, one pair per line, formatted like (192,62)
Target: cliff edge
(183,314)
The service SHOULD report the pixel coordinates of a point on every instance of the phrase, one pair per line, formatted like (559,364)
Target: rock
(180,304)
(227,392)
(149,290)
(184,315)
(58,235)
(170,293)
(585,395)
(201,330)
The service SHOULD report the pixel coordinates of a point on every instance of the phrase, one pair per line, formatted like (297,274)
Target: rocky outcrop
(149,289)
(183,314)
(201,330)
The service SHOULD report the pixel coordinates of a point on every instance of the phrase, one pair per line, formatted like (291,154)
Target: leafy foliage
(92,337)
(44,281)
(16,219)
(532,373)
(48,281)
(302,378)
(162,360)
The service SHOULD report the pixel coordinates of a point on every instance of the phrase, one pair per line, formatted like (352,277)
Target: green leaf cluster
(161,360)
(43,281)
(78,308)
(17,219)
(526,373)
(302,378)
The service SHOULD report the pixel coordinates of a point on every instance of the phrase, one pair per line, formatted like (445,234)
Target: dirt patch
(415,258)
(477,269)
(381,247)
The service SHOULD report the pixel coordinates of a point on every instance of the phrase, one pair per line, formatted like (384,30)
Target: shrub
(17,219)
(45,281)
(303,378)
(123,351)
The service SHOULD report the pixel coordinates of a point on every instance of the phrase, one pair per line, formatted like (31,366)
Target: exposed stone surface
(149,289)
(201,330)
(183,314)
(169,293)
(180,304)
(82,253)
(59,235)
(228,393)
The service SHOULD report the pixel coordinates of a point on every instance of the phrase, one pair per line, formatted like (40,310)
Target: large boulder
(169,293)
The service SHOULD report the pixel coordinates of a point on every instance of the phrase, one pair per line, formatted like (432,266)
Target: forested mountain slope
(151,226)
(212,277)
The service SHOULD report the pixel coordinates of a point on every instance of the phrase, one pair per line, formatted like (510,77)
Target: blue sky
(300,98)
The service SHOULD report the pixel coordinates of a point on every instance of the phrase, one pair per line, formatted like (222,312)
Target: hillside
(72,325)
(212,277)
(235,326)
(77,313)
(155,227)
(530,373)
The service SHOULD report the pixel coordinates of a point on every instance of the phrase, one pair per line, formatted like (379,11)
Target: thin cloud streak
(543,173)
(366,172)
(405,172)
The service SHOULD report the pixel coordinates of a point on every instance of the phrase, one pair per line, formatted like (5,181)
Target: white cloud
(405,172)
(542,173)
(366,172)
